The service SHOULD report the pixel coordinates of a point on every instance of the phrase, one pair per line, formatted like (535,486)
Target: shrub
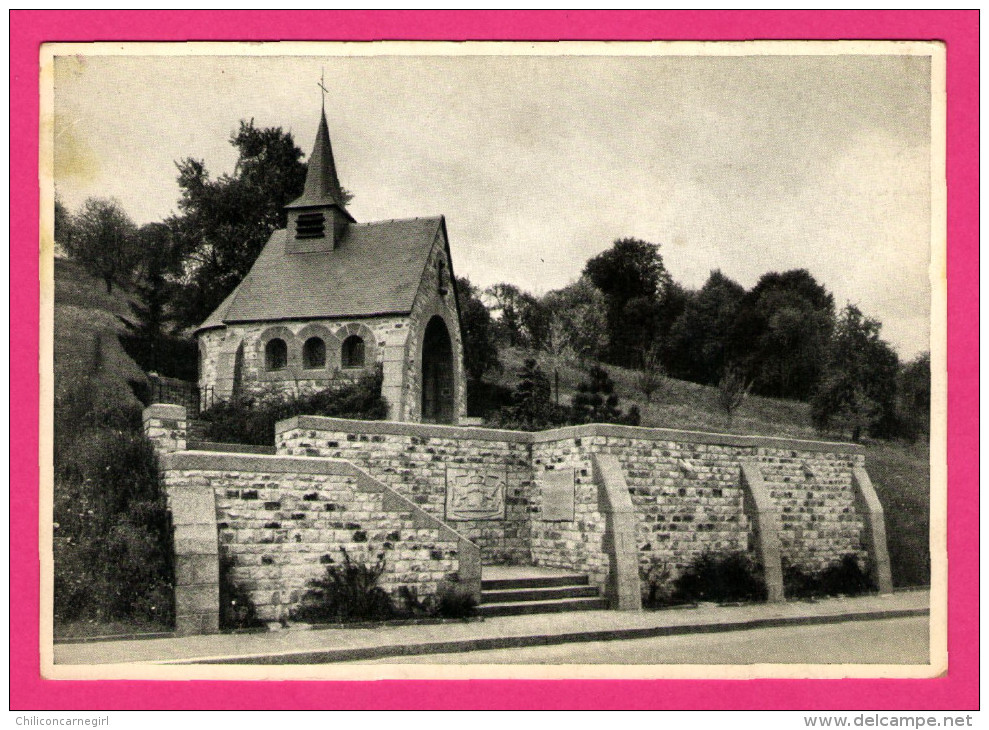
(597,402)
(449,602)
(251,419)
(720,577)
(651,379)
(454,603)
(412,606)
(656,581)
(532,408)
(112,534)
(844,577)
(237,610)
(733,389)
(348,592)
(484,398)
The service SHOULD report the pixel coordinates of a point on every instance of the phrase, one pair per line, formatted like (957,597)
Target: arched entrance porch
(437,373)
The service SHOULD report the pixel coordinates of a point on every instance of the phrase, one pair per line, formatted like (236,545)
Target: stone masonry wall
(561,544)
(414,459)
(281,520)
(440,500)
(218,352)
(686,488)
(689,498)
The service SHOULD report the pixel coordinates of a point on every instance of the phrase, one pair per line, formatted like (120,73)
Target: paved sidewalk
(316,646)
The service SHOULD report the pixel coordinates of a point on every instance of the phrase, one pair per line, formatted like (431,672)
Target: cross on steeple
(322,86)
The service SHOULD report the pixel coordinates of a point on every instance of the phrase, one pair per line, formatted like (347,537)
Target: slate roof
(375,269)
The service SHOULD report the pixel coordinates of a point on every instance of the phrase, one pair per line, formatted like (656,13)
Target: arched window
(352,352)
(275,354)
(314,353)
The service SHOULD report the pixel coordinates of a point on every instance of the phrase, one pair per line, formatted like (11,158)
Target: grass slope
(86,329)
(900,472)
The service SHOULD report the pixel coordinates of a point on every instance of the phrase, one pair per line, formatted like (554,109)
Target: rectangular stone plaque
(475,494)
(557,489)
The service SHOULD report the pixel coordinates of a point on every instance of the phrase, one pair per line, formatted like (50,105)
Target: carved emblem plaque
(557,490)
(474,494)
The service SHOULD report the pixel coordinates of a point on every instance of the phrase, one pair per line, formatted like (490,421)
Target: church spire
(322,184)
(317,220)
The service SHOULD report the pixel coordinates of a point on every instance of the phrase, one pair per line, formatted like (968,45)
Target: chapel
(329,298)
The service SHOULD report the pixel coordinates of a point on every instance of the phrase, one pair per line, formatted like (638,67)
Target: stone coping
(164,410)
(240,462)
(394,428)
(218,446)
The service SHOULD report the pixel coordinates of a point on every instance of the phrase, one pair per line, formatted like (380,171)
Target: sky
(746,164)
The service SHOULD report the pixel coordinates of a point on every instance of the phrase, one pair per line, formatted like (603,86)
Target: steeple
(321,198)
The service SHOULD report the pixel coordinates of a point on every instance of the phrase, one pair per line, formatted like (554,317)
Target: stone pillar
(874,529)
(625,592)
(760,509)
(393,373)
(166,426)
(197,554)
(194,533)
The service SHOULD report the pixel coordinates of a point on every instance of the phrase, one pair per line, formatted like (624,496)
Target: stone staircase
(508,595)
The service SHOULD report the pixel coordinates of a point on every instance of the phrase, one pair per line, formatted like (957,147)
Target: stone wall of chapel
(218,350)
(431,302)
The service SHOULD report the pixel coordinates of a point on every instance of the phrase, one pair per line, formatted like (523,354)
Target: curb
(328,656)
(66,640)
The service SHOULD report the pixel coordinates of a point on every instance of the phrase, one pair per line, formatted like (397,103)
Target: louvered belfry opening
(310,225)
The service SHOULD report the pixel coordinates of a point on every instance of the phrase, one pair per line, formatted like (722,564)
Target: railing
(207,398)
(175,391)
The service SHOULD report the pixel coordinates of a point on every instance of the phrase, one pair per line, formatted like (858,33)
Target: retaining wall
(687,491)
(619,503)
(279,520)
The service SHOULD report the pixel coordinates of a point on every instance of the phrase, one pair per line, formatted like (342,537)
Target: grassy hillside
(678,404)
(900,472)
(901,476)
(86,329)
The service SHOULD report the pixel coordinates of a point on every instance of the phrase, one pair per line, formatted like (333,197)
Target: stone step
(526,607)
(547,581)
(195,429)
(516,595)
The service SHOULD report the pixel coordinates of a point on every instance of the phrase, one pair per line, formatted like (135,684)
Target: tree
(531,408)
(478,330)
(152,312)
(913,396)
(519,318)
(634,281)
(733,388)
(577,320)
(858,390)
(651,378)
(597,402)
(224,223)
(63,223)
(698,345)
(782,333)
(102,238)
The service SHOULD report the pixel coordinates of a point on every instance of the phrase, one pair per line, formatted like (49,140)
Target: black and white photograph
(494,360)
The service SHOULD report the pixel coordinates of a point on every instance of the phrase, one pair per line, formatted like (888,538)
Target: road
(889,641)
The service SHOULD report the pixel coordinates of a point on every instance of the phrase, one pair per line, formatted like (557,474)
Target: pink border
(959,29)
